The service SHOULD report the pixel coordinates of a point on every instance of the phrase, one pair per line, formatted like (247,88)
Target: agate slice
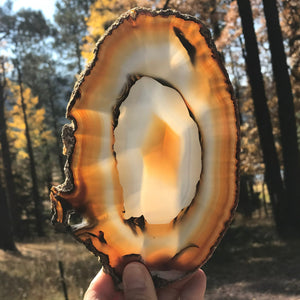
(152,148)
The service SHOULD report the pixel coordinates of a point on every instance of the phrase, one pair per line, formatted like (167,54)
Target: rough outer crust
(69,140)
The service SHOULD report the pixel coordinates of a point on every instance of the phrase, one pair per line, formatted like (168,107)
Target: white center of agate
(158,152)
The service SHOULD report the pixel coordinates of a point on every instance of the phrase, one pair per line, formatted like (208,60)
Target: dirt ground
(251,263)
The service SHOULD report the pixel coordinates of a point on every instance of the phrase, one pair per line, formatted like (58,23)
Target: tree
(272,166)
(291,207)
(6,157)
(102,14)
(210,11)
(35,190)
(6,20)
(290,19)
(7,195)
(40,75)
(6,232)
(70,16)
(17,129)
(29,28)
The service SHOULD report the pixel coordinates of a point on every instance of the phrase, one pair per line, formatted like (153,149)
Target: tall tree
(40,75)
(6,232)
(287,119)
(272,167)
(5,151)
(35,190)
(29,28)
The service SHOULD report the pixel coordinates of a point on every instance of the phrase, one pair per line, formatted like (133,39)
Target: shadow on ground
(253,263)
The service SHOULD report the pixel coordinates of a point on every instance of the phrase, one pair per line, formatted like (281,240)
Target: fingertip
(201,276)
(195,287)
(138,282)
(98,277)
(135,275)
(102,280)
(101,287)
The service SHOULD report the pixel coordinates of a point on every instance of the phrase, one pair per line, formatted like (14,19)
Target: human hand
(138,285)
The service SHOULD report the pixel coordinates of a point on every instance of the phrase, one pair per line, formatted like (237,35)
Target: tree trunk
(166,4)
(78,56)
(264,199)
(6,158)
(6,229)
(236,83)
(287,120)
(35,193)
(57,136)
(47,164)
(245,199)
(214,19)
(272,167)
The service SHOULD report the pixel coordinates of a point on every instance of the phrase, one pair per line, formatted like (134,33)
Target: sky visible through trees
(46,6)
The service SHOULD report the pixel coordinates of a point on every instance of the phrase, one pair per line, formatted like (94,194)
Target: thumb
(138,283)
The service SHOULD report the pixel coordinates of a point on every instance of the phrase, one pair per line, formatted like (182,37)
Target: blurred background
(44,45)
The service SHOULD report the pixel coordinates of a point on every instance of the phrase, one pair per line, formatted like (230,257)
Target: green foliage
(70,17)
(41,139)
(7,20)
(27,40)
(31,24)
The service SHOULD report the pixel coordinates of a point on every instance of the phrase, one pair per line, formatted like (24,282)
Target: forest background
(40,60)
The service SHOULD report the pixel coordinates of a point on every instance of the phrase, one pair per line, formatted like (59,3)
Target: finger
(194,289)
(172,291)
(102,288)
(138,284)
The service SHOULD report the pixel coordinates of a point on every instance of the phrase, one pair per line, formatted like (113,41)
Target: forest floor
(250,263)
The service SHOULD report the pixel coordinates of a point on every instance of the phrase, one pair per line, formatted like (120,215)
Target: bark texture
(7,196)
(291,207)
(273,177)
(6,232)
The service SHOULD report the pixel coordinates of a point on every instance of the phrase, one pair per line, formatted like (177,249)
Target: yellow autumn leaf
(22,155)
(102,14)
(35,120)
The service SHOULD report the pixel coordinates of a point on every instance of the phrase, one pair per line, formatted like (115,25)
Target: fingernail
(134,276)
